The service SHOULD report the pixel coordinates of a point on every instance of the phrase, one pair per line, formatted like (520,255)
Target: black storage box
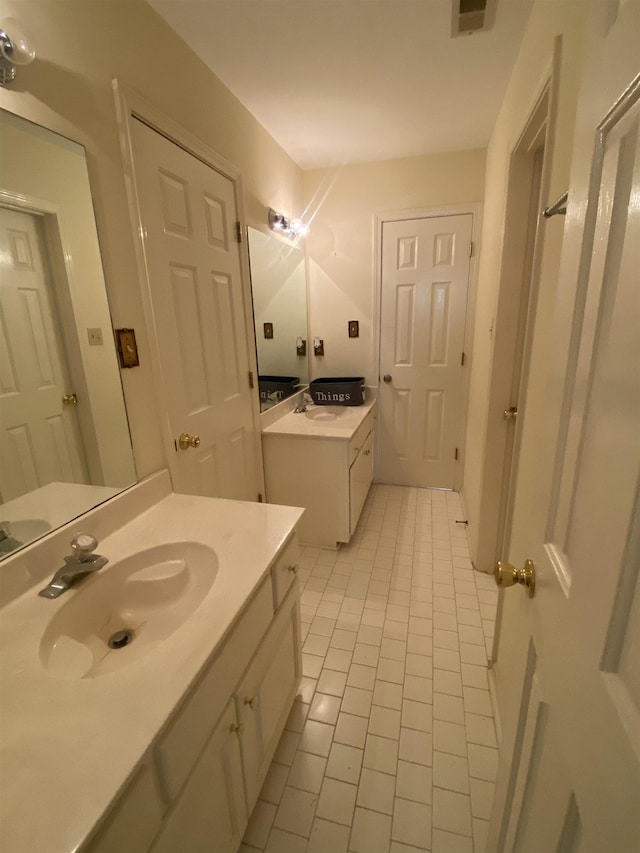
(337,391)
(277,387)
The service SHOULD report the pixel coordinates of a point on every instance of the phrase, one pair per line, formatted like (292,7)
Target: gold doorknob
(70,400)
(510,414)
(507,575)
(186,441)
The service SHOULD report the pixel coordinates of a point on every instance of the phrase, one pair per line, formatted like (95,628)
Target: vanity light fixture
(289,227)
(15,49)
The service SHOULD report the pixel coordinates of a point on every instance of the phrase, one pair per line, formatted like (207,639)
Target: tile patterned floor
(390,746)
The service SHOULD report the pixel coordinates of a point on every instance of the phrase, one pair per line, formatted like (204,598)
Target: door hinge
(251,379)
(455,455)
(471,249)
(260,498)
(463,359)
(238,231)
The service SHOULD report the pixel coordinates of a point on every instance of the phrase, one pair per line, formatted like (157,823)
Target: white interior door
(567,671)
(189,216)
(425,278)
(39,436)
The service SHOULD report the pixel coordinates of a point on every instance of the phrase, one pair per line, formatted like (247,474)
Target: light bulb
(299,228)
(15,45)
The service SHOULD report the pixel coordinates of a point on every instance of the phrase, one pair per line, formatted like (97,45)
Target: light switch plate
(354,328)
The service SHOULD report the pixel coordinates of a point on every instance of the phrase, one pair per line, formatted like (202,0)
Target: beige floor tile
(417,715)
(450,708)
(452,811)
(450,737)
(274,783)
(361,676)
(481,798)
(351,730)
(316,738)
(337,801)
(345,763)
(450,772)
(448,842)
(357,701)
(416,746)
(327,836)
(480,730)
(391,670)
(296,811)
(414,782)
(381,754)
(483,762)
(371,832)
(307,772)
(419,665)
(325,708)
(411,823)
(366,655)
(376,791)
(332,682)
(384,722)
(285,842)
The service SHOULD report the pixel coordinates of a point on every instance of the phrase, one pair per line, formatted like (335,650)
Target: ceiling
(344,81)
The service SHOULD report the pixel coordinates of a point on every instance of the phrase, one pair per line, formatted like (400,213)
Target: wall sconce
(14,50)
(289,227)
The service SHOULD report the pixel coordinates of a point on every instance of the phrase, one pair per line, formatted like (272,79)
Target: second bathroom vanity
(321,459)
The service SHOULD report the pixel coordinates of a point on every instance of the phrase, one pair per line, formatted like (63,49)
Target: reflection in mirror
(64,436)
(279,291)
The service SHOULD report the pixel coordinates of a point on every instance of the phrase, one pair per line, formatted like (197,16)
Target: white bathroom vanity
(163,744)
(321,459)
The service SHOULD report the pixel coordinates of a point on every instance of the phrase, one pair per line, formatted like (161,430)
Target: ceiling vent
(471,16)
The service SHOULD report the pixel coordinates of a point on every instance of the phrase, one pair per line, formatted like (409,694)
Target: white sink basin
(149,595)
(323,414)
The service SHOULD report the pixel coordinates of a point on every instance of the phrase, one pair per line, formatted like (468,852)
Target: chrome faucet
(81,562)
(304,401)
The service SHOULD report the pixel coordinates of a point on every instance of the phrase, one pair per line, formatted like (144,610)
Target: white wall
(549,20)
(81,45)
(340,205)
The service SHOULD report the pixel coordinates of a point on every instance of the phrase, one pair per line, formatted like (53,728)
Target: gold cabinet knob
(293,568)
(236,728)
(507,575)
(251,701)
(186,441)
(70,400)
(366,452)
(510,414)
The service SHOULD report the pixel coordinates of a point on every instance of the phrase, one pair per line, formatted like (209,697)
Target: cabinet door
(360,477)
(266,694)
(210,814)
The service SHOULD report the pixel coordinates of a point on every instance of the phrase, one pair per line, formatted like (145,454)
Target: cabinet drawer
(284,570)
(181,743)
(358,438)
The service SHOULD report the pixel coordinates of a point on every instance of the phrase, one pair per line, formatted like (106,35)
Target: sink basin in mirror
(325,414)
(137,602)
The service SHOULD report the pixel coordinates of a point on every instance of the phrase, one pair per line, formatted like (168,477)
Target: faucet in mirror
(64,435)
(278,284)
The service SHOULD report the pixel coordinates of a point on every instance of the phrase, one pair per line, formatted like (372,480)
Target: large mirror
(278,283)
(64,436)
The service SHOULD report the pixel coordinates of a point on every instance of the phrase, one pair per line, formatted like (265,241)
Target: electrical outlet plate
(95,337)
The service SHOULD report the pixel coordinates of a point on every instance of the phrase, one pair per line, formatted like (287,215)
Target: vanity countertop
(302,423)
(68,746)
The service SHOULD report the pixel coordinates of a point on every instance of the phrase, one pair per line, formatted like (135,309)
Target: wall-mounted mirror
(64,436)
(278,283)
